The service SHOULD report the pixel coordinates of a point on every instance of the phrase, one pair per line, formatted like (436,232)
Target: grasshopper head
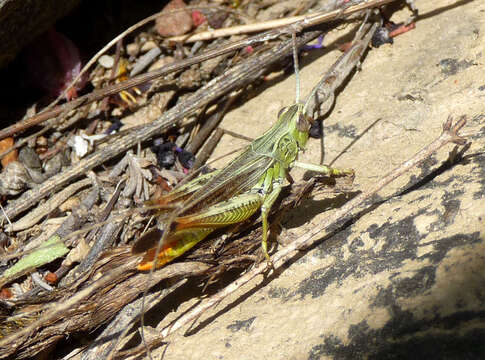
(302,124)
(295,123)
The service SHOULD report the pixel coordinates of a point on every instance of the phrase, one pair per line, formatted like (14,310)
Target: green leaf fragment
(51,250)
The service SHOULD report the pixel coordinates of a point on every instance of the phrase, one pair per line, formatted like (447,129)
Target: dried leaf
(6,144)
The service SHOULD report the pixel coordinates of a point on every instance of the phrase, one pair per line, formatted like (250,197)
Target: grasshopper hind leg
(189,230)
(268,202)
(175,245)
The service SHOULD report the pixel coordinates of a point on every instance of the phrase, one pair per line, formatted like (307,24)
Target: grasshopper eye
(304,122)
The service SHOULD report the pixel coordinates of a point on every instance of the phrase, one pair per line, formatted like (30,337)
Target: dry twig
(304,21)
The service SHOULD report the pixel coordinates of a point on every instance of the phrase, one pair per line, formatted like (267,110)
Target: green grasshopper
(250,182)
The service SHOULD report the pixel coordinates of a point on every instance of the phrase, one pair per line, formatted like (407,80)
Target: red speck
(249,49)
(198,18)
(51,277)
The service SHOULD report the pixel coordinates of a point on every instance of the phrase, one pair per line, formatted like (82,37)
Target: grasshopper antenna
(295,61)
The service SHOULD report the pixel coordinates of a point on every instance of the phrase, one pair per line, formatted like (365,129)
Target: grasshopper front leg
(323,169)
(274,185)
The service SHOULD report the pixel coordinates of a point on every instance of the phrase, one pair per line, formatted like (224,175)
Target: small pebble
(174,20)
(106,61)
(148,45)
(161,63)
(132,49)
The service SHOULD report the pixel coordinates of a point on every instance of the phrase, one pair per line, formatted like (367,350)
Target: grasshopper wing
(242,174)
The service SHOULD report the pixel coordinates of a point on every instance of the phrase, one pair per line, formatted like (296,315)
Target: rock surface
(406,279)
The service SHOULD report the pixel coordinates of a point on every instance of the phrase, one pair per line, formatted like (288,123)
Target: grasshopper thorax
(291,130)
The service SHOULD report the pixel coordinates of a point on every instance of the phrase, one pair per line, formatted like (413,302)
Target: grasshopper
(251,182)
